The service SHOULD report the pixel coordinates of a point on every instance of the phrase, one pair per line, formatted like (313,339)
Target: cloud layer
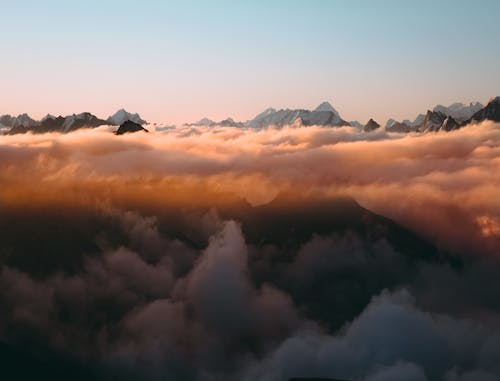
(156,256)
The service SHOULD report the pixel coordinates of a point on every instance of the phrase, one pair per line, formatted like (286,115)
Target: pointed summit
(265,113)
(490,112)
(494,100)
(129,127)
(371,126)
(121,116)
(326,106)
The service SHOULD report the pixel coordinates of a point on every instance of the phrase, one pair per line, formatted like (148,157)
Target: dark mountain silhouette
(450,124)
(129,127)
(490,112)
(371,126)
(400,127)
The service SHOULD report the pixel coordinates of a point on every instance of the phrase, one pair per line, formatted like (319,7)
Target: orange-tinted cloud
(443,185)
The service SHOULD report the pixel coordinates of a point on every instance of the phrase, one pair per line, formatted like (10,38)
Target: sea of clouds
(116,253)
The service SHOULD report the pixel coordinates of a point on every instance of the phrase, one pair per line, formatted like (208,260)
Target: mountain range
(446,118)
(24,123)
(440,118)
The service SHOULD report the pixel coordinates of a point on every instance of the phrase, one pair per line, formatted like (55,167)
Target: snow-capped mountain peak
(390,123)
(326,106)
(459,111)
(265,113)
(122,116)
(48,116)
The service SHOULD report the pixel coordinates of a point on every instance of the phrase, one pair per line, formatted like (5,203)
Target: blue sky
(181,60)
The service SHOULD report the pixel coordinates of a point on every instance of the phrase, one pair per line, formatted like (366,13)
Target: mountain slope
(458,111)
(371,126)
(490,112)
(129,127)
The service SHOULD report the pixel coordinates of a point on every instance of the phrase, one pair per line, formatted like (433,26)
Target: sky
(179,61)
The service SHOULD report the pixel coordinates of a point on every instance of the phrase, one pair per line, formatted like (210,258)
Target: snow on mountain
(433,121)
(48,116)
(323,115)
(390,123)
(121,116)
(265,113)
(25,120)
(418,120)
(17,121)
(459,111)
(205,122)
(77,121)
(326,106)
(490,112)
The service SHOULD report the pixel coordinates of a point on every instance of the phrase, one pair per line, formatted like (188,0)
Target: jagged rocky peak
(490,112)
(61,124)
(400,127)
(205,122)
(323,115)
(129,127)
(450,124)
(371,125)
(22,120)
(433,121)
(459,111)
(265,113)
(48,116)
(121,116)
(494,100)
(326,106)
(229,122)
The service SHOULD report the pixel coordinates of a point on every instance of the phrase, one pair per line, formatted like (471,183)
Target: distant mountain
(433,121)
(129,127)
(326,106)
(229,122)
(450,124)
(16,121)
(371,126)
(490,112)
(440,118)
(401,127)
(323,115)
(205,122)
(202,122)
(60,124)
(437,121)
(458,111)
(418,120)
(356,124)
(121,116)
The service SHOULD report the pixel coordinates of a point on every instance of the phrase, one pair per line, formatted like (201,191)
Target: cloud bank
(222,254)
